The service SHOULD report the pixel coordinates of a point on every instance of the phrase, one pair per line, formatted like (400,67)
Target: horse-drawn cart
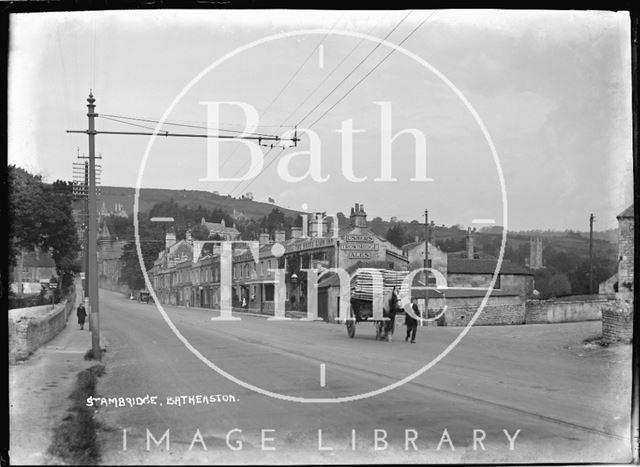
(364,287)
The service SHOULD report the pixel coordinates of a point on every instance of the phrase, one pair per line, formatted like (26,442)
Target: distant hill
(112,195)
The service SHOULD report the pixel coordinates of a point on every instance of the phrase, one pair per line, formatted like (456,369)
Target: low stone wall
(617,322)
(565,310)
(499,310)
(28,331)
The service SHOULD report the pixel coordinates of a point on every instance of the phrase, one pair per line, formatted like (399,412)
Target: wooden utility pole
(426,265)
(92,278)
(591,219)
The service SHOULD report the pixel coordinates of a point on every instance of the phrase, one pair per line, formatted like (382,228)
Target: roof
(484,266)
(626,214)
(458,293)
(218,228)
(462,254)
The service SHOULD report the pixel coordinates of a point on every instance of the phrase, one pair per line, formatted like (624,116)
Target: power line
(127,123)
(371,71)
(327,77)
(300,68)
(224,163)
(348,92)
(181,124)
(354,69)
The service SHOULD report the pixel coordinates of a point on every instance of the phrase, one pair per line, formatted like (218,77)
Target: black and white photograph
(314,236)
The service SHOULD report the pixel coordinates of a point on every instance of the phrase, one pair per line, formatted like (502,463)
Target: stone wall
(617,322)
(29,331)
(498,310)
(565,310)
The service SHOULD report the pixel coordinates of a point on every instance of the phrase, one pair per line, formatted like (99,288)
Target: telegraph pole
(94,318)
(426,265)
(591,219)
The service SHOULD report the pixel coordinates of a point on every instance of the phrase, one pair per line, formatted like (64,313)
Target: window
(268,292)
(497,285)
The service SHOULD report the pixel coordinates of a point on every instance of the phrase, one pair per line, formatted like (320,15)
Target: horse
(390,306)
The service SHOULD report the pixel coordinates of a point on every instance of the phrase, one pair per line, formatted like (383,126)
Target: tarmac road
(571,402)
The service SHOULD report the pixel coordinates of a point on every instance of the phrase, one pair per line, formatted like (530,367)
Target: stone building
(109,259)
(535,253)
(221,230)
(617,317)
(32,268)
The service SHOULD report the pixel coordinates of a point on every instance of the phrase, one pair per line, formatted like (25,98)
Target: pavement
(39,390)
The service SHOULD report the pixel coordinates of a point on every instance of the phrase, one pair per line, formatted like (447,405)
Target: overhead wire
(372,70)
(183,125)
(354,69)
(276,98)
(326,78)
(331,92)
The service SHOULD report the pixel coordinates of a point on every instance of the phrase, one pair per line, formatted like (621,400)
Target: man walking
(411,322)
(82,314)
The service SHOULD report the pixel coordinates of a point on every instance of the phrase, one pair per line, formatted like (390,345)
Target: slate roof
(627,213)
(484,266)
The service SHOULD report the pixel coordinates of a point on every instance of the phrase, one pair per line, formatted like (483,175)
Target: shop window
(268,292)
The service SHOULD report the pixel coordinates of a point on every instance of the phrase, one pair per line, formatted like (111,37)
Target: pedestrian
(82,314)
(411,322)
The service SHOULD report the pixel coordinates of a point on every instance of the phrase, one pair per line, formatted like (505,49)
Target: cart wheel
(351,328)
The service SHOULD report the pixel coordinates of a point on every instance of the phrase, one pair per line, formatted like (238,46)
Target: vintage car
(145,297)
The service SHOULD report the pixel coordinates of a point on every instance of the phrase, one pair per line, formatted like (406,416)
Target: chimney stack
(279,236)
(170,239)
(263,239)
(470,241)
(296,232)
(358,216)
(318,225)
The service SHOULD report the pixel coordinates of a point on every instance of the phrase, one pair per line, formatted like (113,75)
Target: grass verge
(74,439)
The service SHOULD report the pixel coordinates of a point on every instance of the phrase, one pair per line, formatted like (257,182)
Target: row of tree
(41,217)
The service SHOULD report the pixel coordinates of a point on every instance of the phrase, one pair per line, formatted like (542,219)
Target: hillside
(112,195)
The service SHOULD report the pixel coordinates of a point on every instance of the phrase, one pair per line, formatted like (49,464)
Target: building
(221,230)
(617,318)
(109,259)
(254,281)
(622,281)
(535,253)
(179,280)
(32,269)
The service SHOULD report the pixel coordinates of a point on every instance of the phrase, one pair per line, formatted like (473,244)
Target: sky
(551,91)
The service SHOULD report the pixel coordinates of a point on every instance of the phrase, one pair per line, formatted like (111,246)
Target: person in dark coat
(82,314)
(411,322)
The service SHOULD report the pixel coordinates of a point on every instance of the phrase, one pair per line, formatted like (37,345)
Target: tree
(560,285)
(200,232)
(397,235)
(41,218)
(152,241)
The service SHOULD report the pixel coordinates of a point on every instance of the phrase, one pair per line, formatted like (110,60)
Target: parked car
(145,297)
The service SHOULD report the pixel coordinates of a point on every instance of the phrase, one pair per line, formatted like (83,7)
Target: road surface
(512,394)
